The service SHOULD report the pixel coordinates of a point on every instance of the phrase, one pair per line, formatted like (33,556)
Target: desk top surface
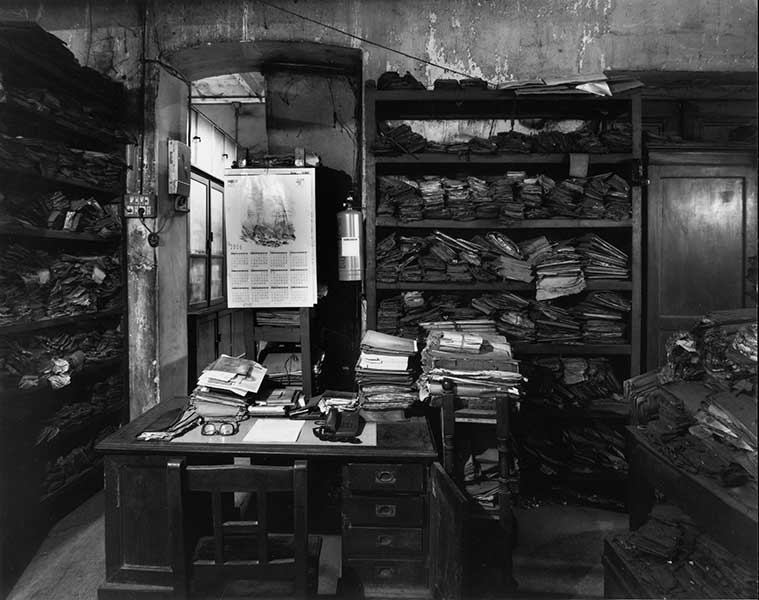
(742,498)
(398,440)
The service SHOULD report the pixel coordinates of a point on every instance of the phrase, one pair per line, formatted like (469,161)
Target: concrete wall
(315,112)
(251,124)
(495,39)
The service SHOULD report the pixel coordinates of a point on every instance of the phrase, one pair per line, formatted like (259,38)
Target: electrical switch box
(139,206)
(179,168)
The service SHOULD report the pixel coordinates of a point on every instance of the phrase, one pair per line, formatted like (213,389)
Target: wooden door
(701,228)
(448,535)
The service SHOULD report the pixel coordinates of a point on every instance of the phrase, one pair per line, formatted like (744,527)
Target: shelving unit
(32,60)
(490,105)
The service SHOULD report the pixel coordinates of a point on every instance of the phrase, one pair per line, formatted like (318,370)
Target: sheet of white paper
(274,431)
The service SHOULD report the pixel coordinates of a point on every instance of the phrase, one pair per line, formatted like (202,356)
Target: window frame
(210,184)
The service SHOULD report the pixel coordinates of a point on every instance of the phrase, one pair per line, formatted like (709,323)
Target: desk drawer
(384,477)
(387,511)
(383,541)
(390,572)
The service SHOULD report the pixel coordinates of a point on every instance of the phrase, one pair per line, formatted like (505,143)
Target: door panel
(449,530)
(701,245)
(699,231)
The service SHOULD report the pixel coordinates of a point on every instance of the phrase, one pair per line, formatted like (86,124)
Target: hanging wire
(365,40)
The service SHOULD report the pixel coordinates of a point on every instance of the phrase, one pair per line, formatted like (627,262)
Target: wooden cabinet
(701,229)
(212,334)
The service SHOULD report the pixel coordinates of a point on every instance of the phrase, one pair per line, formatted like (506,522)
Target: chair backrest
(218,480)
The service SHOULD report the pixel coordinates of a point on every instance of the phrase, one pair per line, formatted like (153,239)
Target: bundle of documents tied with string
(386,372)
(478,364)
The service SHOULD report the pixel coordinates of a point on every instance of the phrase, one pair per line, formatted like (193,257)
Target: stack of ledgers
(440,257)
(57,211)
(63,109)
(558,268)
(106,396)
(511,198)
(589,449)
(601,317)
(386,372)
(602,260)
(277,318)
(674,559)
(397,137)
(574,384)
(36,285)
(63,469)
(55,160)
(44,359)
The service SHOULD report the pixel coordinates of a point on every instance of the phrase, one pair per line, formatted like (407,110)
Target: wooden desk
(728,515)
(403,517)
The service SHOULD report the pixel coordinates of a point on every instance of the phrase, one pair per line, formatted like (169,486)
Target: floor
(558,554)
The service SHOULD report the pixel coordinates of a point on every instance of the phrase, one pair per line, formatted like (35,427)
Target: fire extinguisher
(350,260)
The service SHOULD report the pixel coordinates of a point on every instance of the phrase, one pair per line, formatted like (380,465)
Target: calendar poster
(270,224)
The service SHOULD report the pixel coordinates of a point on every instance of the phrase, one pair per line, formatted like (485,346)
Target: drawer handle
(384,510)
(384,572)
(384,540)
(385,477)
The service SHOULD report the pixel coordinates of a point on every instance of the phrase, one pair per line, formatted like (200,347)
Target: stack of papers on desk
(386,371)
(237,375)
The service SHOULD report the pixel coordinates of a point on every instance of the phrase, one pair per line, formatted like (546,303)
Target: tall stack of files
(399,197)
(559,272)
(602,260)
(433,198)
(554,324)
(227,387)
(510,263)
(386,372)
(604,317)
(478,364)
(531,193)
(562,199)
(479,196)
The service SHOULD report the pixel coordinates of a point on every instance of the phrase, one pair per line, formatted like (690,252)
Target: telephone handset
(340,426)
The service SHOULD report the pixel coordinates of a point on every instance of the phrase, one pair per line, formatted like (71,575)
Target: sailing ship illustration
(272,232)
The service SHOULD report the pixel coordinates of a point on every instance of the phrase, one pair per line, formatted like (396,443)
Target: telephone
(340,426)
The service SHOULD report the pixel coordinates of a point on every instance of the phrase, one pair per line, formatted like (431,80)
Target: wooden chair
(504,515)
(240,549)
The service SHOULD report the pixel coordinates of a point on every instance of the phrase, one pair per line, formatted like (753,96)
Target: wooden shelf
(442,158)
(59,322)
(58,129)
(61,181)
(57,234)
(501,286)
(89,428)
(493,224)
(571,349)
(88,372)
(75,489)
(277,334)
(485,95)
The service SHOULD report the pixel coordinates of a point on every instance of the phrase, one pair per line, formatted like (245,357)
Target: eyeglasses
(219,427)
